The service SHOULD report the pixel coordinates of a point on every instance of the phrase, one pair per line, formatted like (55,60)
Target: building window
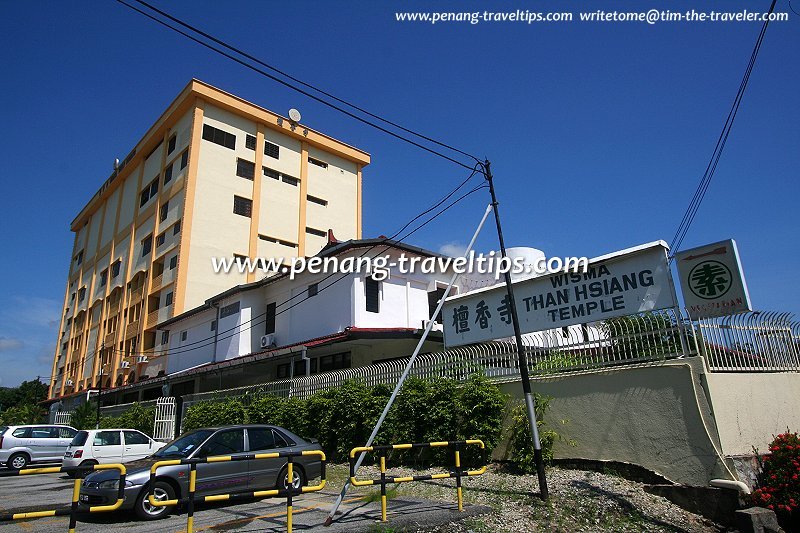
(213,325)
(184,159)
(270,173)
(277,241)
(176,228)
(316,200)
(163,212)
(115,268)
(103,278)
(79,258)
(81,294)
(290,180)
(167,174)
(242,206)
(239,259)
(335,361)
(217,136)
(171,145)
(160,239)
(372,289)
(245,168)
(184,335)
(317,232)
(173,262)
(150,191)
(147,245)
(433,302)
(229,310)
(317,162)
(250,142)
(313,289)
(168,299)
(272,150)
(270,319)
(164,337)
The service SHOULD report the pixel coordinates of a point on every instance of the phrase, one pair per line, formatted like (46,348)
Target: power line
(705,181)
(302,91)
(254,323)
(301,82)
(239,329)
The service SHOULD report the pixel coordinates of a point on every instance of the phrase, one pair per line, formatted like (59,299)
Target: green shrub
(779,480)
(84,416)
(342,418)
(24,413)
(520,439)
(215,413)
(135,417)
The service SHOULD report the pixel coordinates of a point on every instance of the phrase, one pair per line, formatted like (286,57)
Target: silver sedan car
(171,482)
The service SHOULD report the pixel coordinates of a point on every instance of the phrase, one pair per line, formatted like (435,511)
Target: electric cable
(299,90)
(702,188)
(301,82)
(240,329)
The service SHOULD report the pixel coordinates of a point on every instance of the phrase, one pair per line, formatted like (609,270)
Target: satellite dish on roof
(294,115)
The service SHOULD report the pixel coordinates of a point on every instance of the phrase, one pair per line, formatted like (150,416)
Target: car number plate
(84,498)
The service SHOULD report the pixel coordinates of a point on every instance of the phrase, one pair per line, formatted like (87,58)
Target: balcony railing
(136,295)
(132,329)
(152,319)
(109,339)
(165,278)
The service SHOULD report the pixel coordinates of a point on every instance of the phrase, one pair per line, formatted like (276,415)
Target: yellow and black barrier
(72,511)
(457,472)
(190,498)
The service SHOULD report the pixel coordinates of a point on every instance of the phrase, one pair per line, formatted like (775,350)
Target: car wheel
(84,473)
(18,461)
(162,491)
(299,478)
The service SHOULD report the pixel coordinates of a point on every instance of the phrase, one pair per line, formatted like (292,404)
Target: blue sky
(598,133)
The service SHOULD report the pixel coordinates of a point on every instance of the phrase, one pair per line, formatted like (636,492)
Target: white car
(102,446)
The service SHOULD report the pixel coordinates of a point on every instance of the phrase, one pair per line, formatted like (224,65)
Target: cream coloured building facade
(215,176)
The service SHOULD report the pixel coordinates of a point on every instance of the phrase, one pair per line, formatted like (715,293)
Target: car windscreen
(185,445)
(79,439)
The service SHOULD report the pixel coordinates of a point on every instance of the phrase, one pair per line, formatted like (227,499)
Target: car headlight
(113,484)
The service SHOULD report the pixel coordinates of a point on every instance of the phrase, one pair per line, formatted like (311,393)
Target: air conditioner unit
(125,364)
(140,359)
(268,340)
(69,383)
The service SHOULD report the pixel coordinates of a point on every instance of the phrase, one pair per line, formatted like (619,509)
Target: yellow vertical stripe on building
(303,201)
(189,189)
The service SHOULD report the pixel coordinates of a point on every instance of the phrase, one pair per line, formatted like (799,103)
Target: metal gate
(63,417)
(164,424)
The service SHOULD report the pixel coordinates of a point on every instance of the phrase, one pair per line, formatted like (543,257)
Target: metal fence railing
(117,410)
(458,472)
(751,342)
(72,510)
(288,492)
(748,342)
(634,339)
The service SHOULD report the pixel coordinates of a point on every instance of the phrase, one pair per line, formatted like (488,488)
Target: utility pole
(100,383)
(523,360)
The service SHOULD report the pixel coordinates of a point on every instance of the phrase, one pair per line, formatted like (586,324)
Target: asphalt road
(51,491)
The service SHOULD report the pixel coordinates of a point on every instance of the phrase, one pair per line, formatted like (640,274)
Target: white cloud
(453,249)
(8,344)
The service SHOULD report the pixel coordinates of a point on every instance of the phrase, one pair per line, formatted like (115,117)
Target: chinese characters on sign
(712,281)
(622,283)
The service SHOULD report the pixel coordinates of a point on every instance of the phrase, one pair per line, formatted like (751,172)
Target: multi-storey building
(215,176)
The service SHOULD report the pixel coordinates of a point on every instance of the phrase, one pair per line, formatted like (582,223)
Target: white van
(102,446)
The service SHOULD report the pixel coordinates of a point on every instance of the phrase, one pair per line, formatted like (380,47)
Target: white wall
(752,407)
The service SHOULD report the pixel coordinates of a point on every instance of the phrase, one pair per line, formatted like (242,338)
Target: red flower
(771,507)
